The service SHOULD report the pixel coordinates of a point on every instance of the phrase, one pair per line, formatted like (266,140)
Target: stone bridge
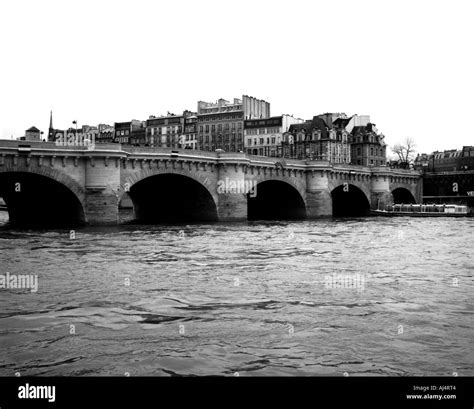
(40,181)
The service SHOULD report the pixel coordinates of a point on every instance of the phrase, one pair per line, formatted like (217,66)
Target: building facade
(220,125)
(124,130)
(322,138)
(164,131)
(189,138)
(264,137)
(106,133)
(32,134)
(368,147)
(453,160)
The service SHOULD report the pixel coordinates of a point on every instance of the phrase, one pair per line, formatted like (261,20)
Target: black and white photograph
(238,191)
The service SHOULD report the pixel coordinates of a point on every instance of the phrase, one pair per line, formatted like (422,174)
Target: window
(371,151)
(261,141)
(200,128)
(359,151)
(207,128)
(273,141)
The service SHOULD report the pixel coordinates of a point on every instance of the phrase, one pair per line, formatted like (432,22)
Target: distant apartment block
(264,136)
(171,130)
(126,131)
(336,138)
(221,124)
(322,138)
(452,160)
(31,134)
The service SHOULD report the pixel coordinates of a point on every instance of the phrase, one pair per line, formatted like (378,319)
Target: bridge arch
(403,195)
(170,195)
(276,199)
(41,196)
(349,200)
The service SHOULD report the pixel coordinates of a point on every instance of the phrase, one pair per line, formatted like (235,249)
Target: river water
(242,299)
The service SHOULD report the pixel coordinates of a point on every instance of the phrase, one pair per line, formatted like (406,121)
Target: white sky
(407,64)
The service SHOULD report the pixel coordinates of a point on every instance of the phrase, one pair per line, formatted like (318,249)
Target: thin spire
(51,120)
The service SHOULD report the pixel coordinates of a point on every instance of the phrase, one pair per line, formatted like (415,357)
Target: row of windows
(221,109)
(164,130)
(364,138)
(376,151)
(220,118)
(227,126)
(261,141)
(262,131)
(226,138)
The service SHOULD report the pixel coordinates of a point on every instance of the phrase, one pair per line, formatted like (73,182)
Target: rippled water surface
(252,298)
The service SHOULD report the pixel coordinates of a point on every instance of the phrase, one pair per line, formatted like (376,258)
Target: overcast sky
(407,64)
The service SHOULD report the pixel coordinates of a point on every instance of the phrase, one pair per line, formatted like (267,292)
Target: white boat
(424,210)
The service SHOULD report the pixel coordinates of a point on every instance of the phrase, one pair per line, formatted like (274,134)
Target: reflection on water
(272,298)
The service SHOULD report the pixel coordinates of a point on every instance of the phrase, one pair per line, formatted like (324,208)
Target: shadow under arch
(402,195)
(170,198)
(275,200)
(348,201)
(37,200)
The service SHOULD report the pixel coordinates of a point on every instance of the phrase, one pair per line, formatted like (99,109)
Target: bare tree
(405,151)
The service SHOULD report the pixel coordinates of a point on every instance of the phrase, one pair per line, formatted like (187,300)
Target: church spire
(51,130)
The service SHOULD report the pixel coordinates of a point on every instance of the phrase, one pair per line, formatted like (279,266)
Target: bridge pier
(231,195)
(101,207)
(380,193)
(379,200)
(102,182)
(318,195)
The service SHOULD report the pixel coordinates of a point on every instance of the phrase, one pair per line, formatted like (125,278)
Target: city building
(264,136)
(31,134)
(106,133)
(166,131)
(123,130)
(221,124)
(188,140)
(138,135)
(452,160)
(92,132)
(322,138)
(368,147)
